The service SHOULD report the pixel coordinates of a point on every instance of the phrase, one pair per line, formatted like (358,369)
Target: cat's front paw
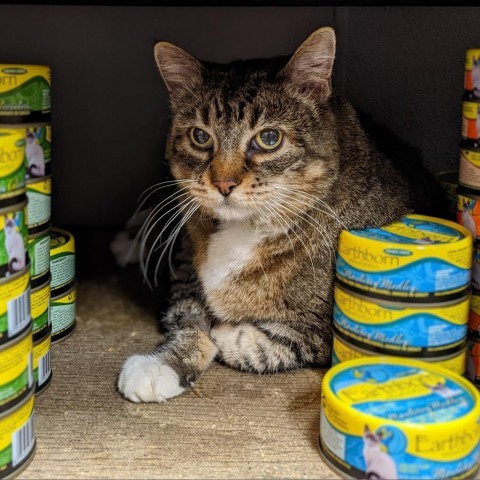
(144,378)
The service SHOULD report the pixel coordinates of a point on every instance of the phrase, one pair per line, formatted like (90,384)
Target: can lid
(402,391)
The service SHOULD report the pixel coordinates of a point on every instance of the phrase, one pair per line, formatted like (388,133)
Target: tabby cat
(270,166)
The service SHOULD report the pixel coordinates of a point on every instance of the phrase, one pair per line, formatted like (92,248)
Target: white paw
(125,249)
(144,378)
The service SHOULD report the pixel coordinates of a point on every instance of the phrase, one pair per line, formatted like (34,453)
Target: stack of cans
(404,290)
(468,197)
(24,256)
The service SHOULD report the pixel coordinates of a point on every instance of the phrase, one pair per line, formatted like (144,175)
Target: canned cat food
(392,327)
(417,259)
(13,239)
(472,73)
(25,93)
(38,141)
(15,316)
(449,182)
(63,314)
(343,351)
(40,307)
(62,261)
(469,173)
(12,161)
(16,371)
(39,193)
(39,253)
(17,438)
(42,366)
(473,360)
(468,211)
(387,418)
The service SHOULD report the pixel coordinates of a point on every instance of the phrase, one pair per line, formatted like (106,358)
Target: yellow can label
(43,186)
(416,257)
(12,164)
(24,89)
(61,241)
(470,114)
(41,361)
(14,306)
(15,360)
(11,424)
(394,326)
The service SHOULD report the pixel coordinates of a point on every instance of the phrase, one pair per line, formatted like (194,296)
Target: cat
(270,166)
(35,156)
(379,464)
(15,246)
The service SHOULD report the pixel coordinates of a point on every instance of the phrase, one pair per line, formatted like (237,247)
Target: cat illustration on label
(467,218)
(444,390)
(379,464)
(35,156)
(476,77)
(14,246)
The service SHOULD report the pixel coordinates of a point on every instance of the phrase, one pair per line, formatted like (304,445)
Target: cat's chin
(228,213)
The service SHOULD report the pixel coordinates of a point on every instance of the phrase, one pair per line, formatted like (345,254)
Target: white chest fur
(229,251)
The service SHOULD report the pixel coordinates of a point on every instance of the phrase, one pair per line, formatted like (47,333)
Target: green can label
(38,149)
(39,253)
(12,164)
(15,308)
(39,194)
(24,89)
(13,242)
(63,312)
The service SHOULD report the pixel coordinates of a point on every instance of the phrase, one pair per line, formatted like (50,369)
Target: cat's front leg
(174,365)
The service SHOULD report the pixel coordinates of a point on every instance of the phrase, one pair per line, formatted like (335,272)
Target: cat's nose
(226,186)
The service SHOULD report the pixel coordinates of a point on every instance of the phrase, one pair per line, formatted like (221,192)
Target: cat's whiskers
(193,207)
(147,226)
(333,214)
(279,205)
(136,239)
(316,225)
(144,265)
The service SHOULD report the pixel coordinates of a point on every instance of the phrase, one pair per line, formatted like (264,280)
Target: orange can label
(468,214)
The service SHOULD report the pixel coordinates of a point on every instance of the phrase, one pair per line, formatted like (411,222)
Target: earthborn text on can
(343,350)
(39,253)
(39,193)
(384,417)
(62,261)
(15,315)
(12,161)
(40,308)
(63,315)
(13,238)
(392,327)
(17,438)
(419,258)
(38,151)
(42,367)
(16,371)
(25,93)
(472,73)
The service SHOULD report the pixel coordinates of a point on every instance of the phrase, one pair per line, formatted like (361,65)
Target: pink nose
(225,186)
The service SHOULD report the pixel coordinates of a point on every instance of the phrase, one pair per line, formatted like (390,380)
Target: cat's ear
(180,71)
(310,67)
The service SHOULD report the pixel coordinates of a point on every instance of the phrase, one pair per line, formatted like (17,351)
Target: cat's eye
(268,139)
(200,138)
